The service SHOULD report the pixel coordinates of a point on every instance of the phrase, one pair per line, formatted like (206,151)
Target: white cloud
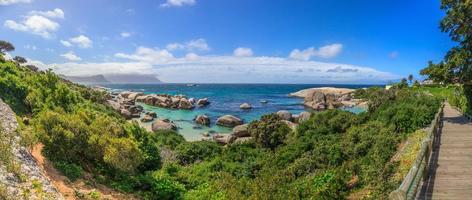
(81,41)
(148,55)
(225,69)
(71,56)
(66,43)
(191,56)
(56,13)
(31,47)
(35,24)
(178,3)
(192,45)
(10,2)
(242,52)
(328,51)
(125,34)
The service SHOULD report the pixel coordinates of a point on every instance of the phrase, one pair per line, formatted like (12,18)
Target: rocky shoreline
(328,98)
(316,98)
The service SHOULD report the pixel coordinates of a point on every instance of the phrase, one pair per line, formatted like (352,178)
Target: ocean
(226,99)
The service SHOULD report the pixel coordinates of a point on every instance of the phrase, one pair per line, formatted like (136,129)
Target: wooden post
(429,147)
(397,195)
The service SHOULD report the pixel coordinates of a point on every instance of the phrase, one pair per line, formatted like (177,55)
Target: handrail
(419,170)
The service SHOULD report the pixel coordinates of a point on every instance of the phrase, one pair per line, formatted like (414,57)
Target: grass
(408,154)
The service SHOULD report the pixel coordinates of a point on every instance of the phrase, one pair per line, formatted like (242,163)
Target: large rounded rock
(304,116)
(126,114)
(152,114)
(229,121)
(245,106)
(203,102)
(185,104)
(223,138)
(160,125)
(202,119)
(285,115)
(147,118)
(241,131)
(134,95)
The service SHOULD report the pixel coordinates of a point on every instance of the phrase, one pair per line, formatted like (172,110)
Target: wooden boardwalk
(451,161)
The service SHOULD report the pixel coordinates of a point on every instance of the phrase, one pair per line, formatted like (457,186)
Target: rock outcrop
(11,184)
(325,97)
(285,115)
(229,121)
(163,125)
(241,131)
(245,106)
(202,119)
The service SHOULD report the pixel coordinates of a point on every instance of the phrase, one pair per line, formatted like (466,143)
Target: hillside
(332,155)
(97,79)
(113,78)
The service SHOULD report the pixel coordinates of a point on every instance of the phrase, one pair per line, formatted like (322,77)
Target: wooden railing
(419,170)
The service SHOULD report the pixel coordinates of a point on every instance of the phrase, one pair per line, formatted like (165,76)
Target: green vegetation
(330,156)
(457,64)
(456,67)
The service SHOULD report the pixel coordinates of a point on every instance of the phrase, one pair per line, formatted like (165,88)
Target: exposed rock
(245,106)
(285,115)
(241,130)
(264,101)
(223,138)
(290,124)
(115,105)
(147,118)
(192,100)
(325,98)
(159,125)
(126,114)
(28,168)
(202,119)
(185,104)
(203,102)
(229,121)
(152,114)
(303,116)
(133,95)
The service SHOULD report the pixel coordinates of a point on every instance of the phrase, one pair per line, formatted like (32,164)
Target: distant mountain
(87,79)
(113,78)
(132,78)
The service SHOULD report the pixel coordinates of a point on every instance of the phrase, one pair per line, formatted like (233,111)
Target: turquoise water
(225,99)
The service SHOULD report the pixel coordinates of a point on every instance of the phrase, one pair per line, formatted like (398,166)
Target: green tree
(457,64)
(6,47)
(20,60)
(269,131)
(410,78)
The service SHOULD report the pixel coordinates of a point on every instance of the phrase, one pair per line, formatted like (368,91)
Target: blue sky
(229,40)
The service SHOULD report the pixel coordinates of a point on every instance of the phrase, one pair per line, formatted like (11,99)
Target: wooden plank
(453,169)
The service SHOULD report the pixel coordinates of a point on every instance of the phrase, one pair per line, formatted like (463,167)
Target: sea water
(225,99)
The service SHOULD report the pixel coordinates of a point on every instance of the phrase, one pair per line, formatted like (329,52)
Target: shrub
(269,131)
(188,153)
(70,170)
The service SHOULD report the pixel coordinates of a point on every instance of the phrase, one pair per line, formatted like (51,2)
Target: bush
(70,170)
(188,153)
(327,122)
(269,131)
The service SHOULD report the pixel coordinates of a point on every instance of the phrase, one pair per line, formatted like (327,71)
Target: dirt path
(69,189)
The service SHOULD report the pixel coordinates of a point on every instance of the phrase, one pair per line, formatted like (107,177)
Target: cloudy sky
(229,41)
